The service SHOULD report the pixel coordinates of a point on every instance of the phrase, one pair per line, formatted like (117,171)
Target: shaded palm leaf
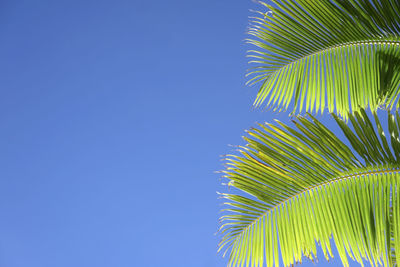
(295,188)
(335,54)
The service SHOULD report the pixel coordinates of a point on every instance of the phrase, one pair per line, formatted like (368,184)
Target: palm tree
(293,188)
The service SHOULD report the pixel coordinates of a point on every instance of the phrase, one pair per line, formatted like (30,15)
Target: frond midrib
(395,169)
(388,41)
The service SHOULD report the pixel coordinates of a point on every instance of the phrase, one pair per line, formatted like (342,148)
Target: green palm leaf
(337,54)
(296,188)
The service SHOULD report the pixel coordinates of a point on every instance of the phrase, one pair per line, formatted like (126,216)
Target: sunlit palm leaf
(294,188)
(337,54)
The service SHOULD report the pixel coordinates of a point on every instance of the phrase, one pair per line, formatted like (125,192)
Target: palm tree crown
(293,188)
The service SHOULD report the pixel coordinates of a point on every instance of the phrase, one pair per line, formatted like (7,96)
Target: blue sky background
(113,117)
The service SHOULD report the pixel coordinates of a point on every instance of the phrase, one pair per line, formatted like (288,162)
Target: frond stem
(367,42)
(334,180)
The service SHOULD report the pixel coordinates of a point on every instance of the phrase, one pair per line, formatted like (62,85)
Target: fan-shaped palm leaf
(294,188)
(327,53)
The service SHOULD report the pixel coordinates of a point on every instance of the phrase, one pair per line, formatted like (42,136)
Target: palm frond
(296,188)
(342,55)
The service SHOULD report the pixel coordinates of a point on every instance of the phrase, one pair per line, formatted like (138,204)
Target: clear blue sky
(113,117)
